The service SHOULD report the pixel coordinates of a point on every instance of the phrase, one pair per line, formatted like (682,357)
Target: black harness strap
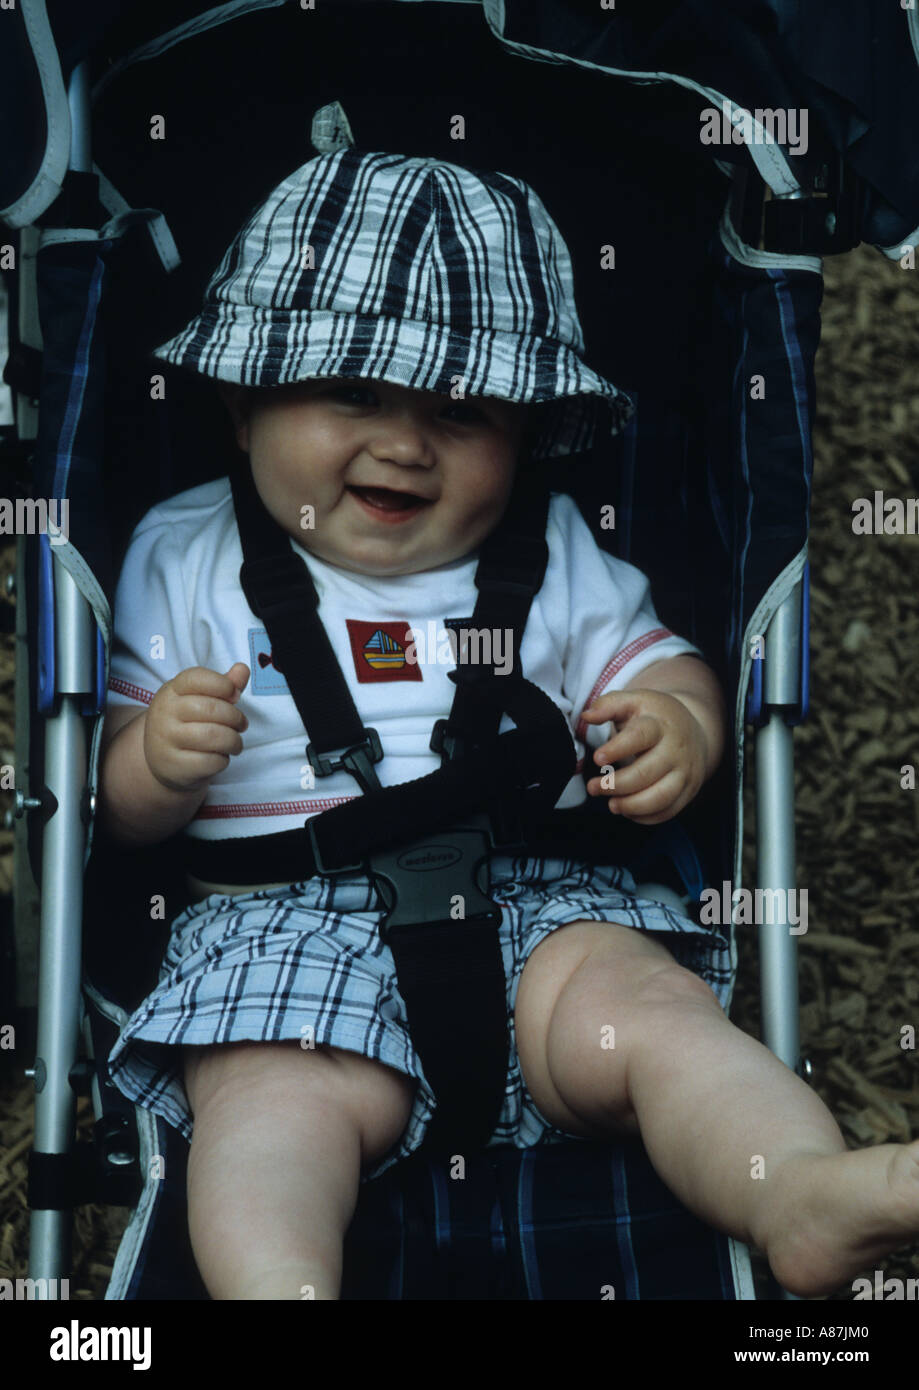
(425,840)
(502,778)
(512,564)
(451,977)
(280,591)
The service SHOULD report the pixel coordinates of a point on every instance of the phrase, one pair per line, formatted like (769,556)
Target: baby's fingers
(239,674)
(182,755)
(201,680)
(210,738)
(201,696)
(637,737)
(654,804)
(203,709)
(617,705)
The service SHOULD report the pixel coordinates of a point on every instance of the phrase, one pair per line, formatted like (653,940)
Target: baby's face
(399,480)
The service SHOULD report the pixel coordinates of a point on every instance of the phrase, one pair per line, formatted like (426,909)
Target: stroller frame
(76,634)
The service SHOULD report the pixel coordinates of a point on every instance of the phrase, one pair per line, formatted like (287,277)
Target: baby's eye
(464,413)
(352,392)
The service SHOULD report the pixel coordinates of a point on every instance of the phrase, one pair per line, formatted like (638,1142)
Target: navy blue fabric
(584,1223)
(767,325)
(851,64)
(25,125)
(68,457)
(858,72)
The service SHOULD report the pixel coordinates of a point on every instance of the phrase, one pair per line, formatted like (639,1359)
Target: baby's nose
(403,439)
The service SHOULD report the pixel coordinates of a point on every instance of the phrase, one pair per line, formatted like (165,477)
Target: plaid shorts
(306,962)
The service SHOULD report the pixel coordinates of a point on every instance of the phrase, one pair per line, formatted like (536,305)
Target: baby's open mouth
(389,500)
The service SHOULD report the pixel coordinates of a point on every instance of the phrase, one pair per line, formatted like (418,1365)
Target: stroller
(718,292)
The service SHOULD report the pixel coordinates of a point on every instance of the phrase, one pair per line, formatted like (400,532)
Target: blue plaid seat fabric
(581,1221)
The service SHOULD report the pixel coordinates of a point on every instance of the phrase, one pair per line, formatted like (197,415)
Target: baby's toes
(903,1184)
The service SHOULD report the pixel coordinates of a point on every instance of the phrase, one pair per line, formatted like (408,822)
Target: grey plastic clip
(331,129)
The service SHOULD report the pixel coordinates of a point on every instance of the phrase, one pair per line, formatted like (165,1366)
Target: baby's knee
(378,1097)
(240,1081)
(671,985)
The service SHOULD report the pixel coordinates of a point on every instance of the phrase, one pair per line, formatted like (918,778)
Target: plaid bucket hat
(411,271)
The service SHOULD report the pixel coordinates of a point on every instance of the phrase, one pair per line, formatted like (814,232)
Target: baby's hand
(668,748)
(193,726)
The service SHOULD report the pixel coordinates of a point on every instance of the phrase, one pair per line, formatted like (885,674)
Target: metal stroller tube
(775,834)
(61,914)
(62,860)
(775,840)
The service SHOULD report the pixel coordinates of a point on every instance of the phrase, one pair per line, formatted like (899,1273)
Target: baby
(339,323)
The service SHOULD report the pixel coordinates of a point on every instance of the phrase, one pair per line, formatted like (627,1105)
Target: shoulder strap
(280,592)
(510,572)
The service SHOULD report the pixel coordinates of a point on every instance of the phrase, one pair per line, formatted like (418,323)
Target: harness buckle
(420,883)
(447,745)
(356,758)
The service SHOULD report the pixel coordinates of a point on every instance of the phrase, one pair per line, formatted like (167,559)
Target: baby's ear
(236,400)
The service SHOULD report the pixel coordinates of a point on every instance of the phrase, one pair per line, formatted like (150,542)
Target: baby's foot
(830,1216)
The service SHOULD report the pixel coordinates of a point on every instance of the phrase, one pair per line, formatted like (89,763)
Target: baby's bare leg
(739,1138)
(280,1135)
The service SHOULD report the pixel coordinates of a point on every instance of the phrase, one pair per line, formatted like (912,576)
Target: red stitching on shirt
(622,658)
(237,810)
(133,692)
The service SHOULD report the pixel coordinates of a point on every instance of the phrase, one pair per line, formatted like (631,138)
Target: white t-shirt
(592,628)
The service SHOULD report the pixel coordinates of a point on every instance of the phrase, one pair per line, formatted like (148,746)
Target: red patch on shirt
(383,652)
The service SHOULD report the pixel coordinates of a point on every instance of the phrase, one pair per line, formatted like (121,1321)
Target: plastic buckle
(822,218)
(357,759)
(449,746)
(503,821)
(421,882)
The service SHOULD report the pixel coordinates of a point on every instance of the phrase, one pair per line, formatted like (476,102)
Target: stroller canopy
(711,495)
(828,82)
